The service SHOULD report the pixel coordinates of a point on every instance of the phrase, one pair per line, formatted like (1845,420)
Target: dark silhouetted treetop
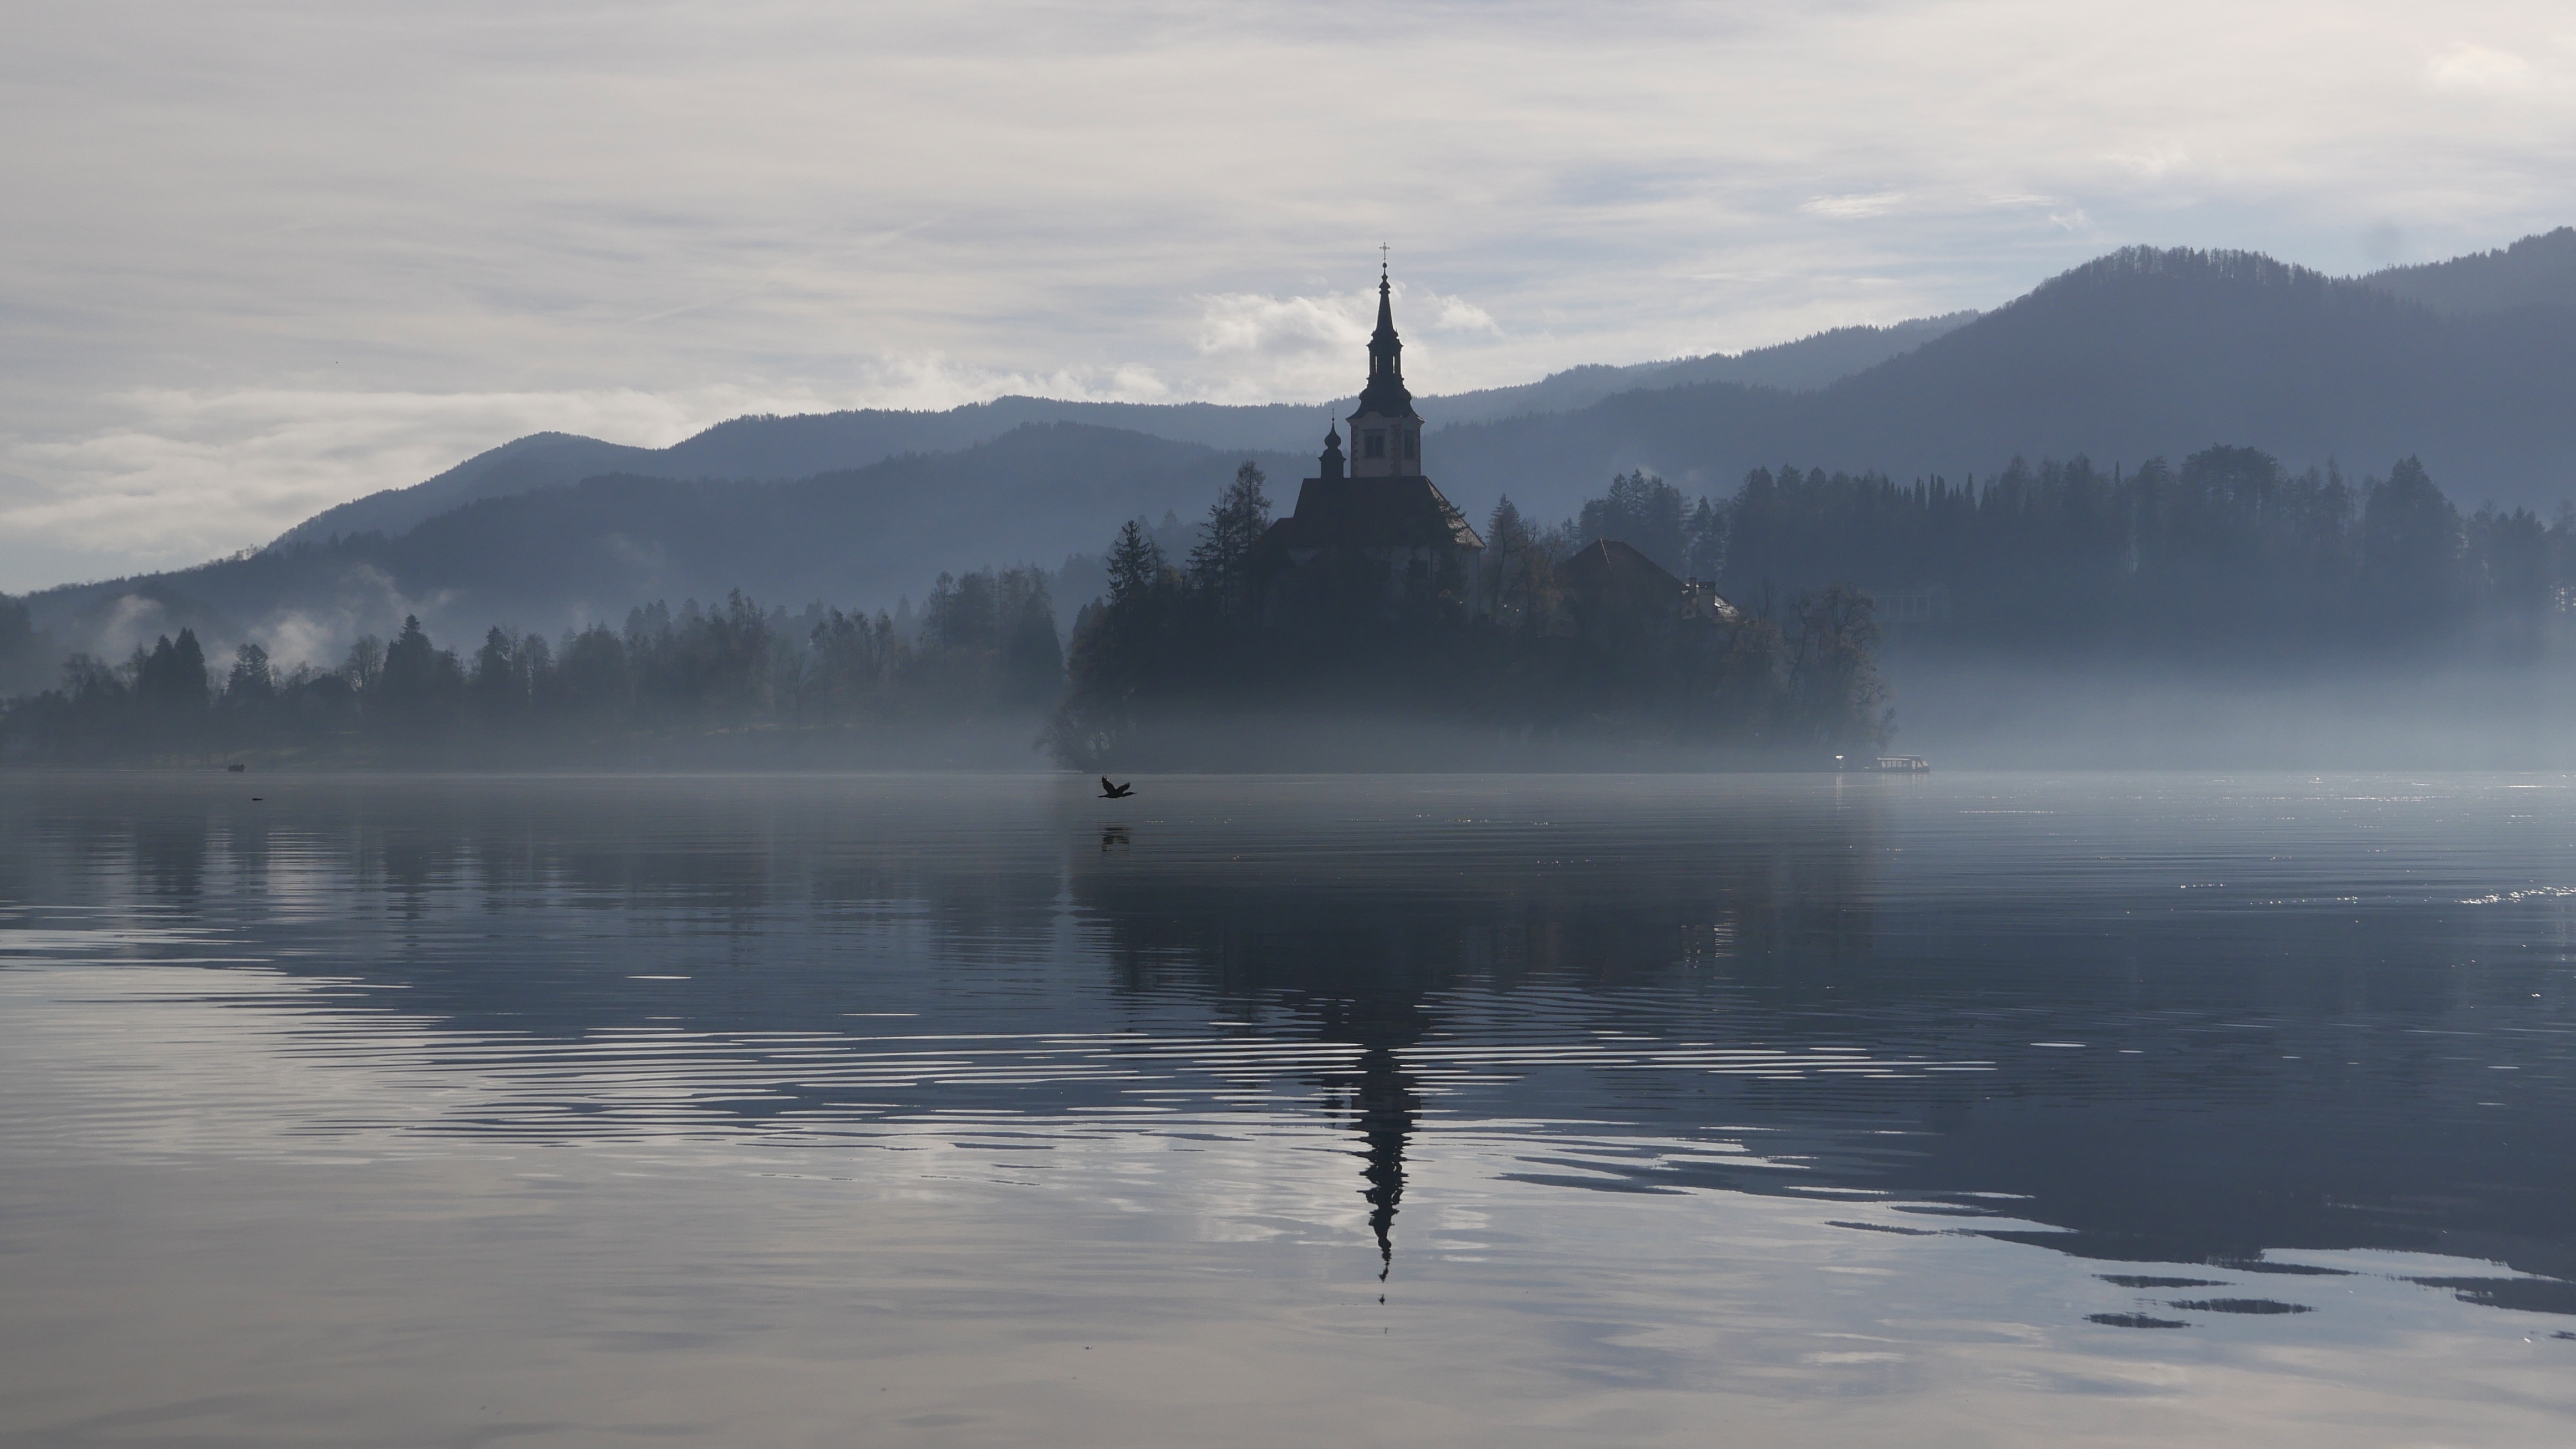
(1644,512)
(1220,564)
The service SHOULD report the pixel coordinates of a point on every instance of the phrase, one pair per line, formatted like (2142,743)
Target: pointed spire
(1331,464)
(1386,350)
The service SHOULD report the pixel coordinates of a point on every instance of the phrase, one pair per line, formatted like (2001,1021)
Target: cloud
(1254,327)
(1254,347)
(1853,207)
(2152,162)
(1457,314)
(2465,67)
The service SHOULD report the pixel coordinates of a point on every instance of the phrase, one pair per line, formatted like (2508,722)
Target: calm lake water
(1418,1110)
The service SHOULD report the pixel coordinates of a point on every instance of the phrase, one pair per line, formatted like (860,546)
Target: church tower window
(1375,446)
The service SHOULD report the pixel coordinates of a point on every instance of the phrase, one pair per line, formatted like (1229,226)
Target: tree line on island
(984,645)
(1191,657)
(1208,661)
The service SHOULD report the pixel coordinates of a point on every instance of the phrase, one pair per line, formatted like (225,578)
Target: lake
(1540,1110)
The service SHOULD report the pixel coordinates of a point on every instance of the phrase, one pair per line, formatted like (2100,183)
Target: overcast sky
(263,258)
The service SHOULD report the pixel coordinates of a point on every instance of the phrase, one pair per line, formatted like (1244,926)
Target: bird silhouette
(1115,792)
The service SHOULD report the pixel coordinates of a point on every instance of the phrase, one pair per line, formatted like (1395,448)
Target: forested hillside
(567,555)
(2535,271)
(2139,354)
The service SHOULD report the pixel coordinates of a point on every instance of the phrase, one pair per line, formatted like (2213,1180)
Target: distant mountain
(1810,362)
(2535,271)
(1800,366)
(2143,352)
(772,447)
(553,557)
(535,461)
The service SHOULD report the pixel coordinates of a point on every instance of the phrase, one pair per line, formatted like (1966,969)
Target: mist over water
(1997,713)
(1969,1108)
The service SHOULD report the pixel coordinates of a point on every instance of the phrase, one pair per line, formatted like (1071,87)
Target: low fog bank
(1997,713)
(997,744)
(1365,741)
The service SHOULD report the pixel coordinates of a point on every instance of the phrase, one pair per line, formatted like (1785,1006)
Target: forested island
(1749,635)
(1176,665)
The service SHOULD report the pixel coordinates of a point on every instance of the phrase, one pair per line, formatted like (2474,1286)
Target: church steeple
(1386,433)
(1373,507)
(1386,350)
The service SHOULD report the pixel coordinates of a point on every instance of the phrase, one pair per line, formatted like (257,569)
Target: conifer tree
(1219,564)
(252,679)
(1135,567)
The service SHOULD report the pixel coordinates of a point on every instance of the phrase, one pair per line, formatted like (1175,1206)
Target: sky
(263,258)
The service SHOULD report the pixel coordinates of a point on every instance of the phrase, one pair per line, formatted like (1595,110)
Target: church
(1372,522)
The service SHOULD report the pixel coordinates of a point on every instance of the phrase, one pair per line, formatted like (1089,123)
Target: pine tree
(2410,541)
(252,679)
(1219,565)
(1135,567)
(1705,557)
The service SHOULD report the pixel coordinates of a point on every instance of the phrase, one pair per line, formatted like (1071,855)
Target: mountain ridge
(779,447)
(2537,270)
(2141,352)
(567,554)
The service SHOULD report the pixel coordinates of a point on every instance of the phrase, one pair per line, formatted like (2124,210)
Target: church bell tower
(1370,513)
(1386,434)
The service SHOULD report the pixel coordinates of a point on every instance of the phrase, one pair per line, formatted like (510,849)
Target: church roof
(1387,396)
(1373,513)
(1608,563)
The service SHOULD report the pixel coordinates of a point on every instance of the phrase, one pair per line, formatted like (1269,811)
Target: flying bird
(1115,792)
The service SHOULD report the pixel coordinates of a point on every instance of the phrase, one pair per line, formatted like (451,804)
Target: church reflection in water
(1373,956)
(1381,1101)
(1781,938)
(1371,946)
